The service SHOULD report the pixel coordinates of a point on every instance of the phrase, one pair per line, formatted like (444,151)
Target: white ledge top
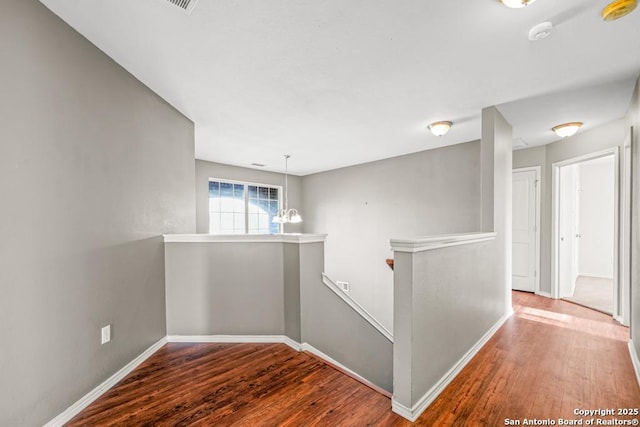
(442,241)
(245,238)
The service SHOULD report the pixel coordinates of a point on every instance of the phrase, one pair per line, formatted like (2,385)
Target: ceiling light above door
(566,129)
(618,9)
(516,3)
(440,128)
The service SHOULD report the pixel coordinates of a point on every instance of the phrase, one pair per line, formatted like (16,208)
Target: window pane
(238,191)
(226,221)
(253,223)
(238,221)
(214,223)
(214,188)
(214,204)
(273,209)
(253,206)
(253,191)
(226,189)
(274,228)
(227,204)
(273,193)
(263,223)
(263,193)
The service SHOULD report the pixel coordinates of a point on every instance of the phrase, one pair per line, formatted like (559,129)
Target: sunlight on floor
(592,327)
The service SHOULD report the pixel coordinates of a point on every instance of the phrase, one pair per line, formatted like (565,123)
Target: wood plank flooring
(548,359)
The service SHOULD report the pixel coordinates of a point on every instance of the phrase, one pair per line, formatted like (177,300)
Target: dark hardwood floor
(548,359)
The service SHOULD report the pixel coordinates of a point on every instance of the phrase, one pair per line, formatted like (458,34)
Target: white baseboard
(270,339)
(340,367)
(544,294)
(416,410)
(94,394)
(634,360)
(348,299)
(620,320)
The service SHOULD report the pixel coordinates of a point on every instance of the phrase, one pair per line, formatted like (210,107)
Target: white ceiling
(335,83)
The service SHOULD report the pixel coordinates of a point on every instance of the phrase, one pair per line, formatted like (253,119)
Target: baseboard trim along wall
(544,294)
(306,347)
(634,360)
(94,394)
(329,283)
(421,405)
(267,339)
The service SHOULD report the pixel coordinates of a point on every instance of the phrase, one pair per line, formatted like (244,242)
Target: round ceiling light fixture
(440,128)
(540,31)
(516,3)
(618,9)
(566,129)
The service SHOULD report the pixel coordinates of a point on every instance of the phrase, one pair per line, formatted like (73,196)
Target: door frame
(555,210)
(538,185)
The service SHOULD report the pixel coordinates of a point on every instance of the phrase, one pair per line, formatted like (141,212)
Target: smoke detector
(516,3)
(540,31)
(618,9)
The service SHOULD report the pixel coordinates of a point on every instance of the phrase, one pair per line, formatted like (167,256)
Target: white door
(569,231)
(524,231)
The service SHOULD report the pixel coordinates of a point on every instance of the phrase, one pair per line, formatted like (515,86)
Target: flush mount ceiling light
(516,3)
(618,9)
(566,129)
(286,215)
(440,128)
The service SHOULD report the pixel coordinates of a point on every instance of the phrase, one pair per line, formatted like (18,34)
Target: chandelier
(286,215)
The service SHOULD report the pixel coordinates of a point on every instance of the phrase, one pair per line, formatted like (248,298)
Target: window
(239,208)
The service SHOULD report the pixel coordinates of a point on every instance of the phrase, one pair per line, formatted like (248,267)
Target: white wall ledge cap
(441,241)
(245,238)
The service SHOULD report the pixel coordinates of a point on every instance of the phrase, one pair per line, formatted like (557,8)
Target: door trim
(555,211)
(538,186)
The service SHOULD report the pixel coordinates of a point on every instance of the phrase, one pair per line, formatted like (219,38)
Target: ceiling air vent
(186,5)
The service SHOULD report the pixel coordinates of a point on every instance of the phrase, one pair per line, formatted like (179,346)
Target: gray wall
(594,140)
(362,207)
(633,119)
(334,328)
(455,301)
(224,288)
(270,288)
(497,137)
(206,170)
(291,287)
(447,299)
(93,168)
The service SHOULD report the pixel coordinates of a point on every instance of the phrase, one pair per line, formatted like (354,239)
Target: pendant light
(287,215)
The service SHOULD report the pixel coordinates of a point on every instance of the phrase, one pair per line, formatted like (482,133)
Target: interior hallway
(548,359)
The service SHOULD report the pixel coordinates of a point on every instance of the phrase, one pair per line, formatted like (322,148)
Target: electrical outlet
(343,285)
(106,334)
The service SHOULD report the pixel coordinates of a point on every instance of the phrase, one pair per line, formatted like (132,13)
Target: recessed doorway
(586,231)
